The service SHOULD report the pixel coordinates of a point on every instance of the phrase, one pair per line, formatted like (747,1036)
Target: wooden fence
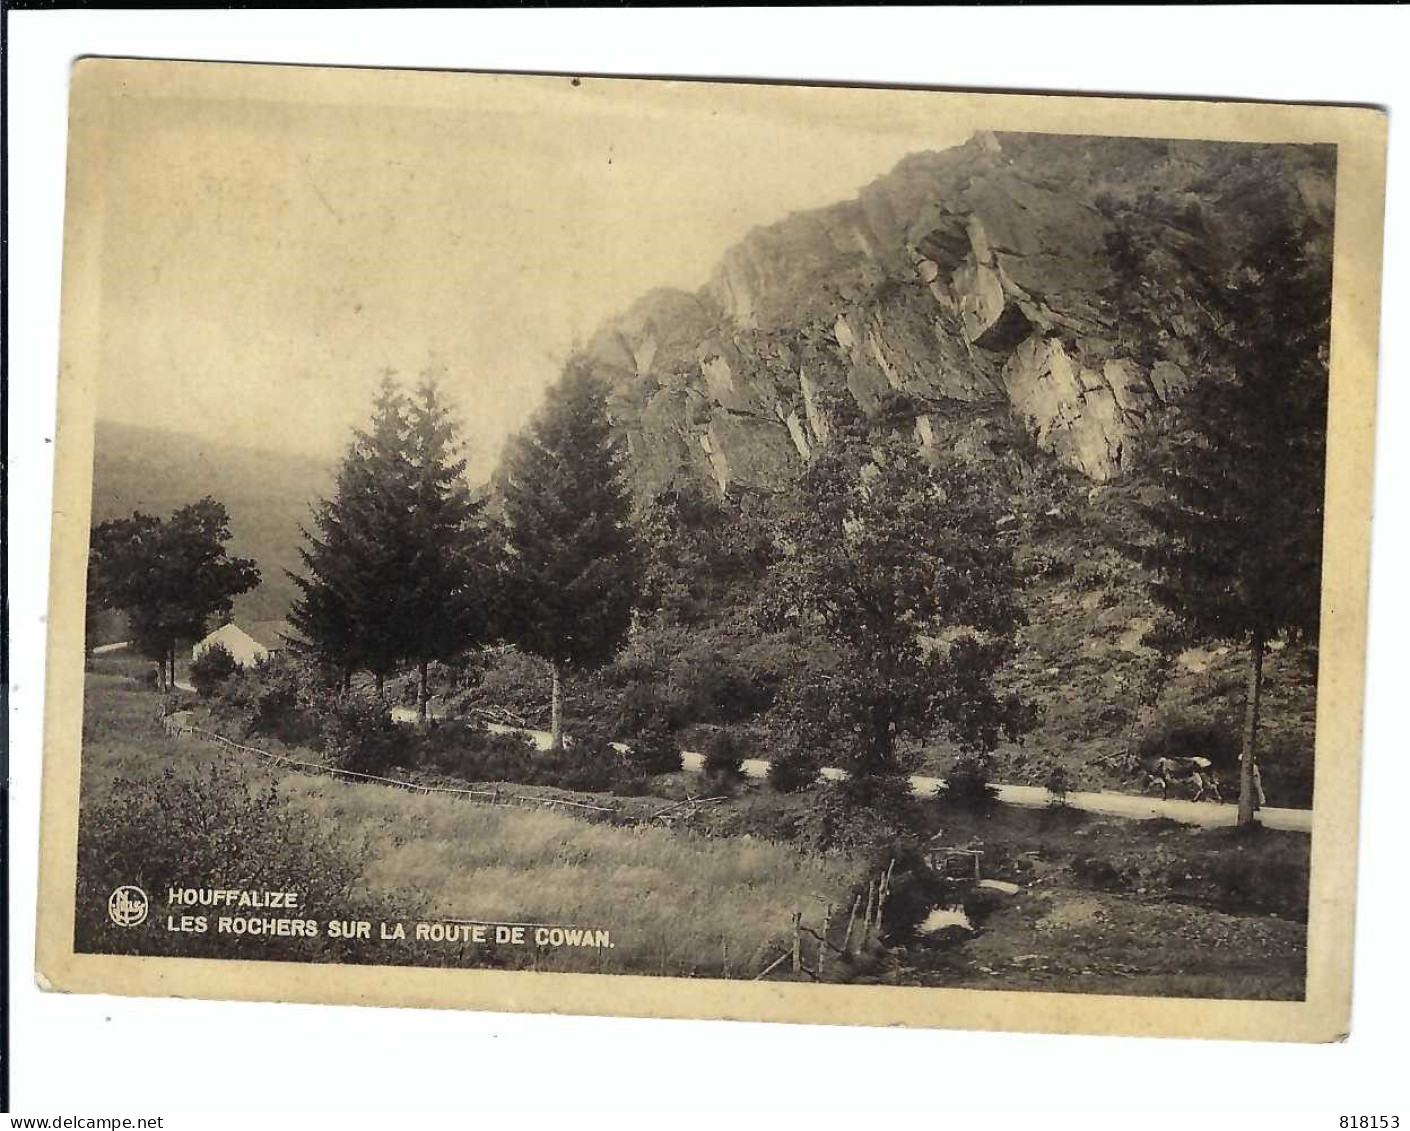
(584,809)
(676,813)
(822,940)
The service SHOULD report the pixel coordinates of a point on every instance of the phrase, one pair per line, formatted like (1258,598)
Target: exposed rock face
(973,286)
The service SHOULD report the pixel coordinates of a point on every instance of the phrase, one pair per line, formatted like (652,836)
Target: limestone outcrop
(972,287)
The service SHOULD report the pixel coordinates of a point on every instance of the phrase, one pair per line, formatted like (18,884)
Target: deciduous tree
(170,577)
(894,562)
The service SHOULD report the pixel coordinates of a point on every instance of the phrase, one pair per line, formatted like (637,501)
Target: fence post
(885,890)
(797,942)
(822,944)
(851,920)
(871,910)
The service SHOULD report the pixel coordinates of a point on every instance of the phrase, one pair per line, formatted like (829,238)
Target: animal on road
(1196,772)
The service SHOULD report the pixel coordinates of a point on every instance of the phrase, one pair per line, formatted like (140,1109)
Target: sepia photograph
(766,547)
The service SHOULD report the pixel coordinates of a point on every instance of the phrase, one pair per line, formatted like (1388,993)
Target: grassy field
(1103,906)
(673,903)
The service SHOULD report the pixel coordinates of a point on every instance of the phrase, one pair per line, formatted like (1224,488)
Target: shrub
(890,792)
(1058,783)
(724,681)
(1180,737)
(1098,873)
(849,817)
(654,751)
(590,764)
(282,696)
(631,782)
(673,677)
(465,751)
(793,771)
(215,830)
(641,709)
(1287,769)
(981,903)
(211,669)
(233,702)
(968,782)
(359,734)
(276,711)
(724,760)
(513,681)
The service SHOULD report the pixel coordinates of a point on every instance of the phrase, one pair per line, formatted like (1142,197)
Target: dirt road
(1210,814)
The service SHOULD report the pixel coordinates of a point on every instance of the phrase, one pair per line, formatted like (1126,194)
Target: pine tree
(446,602)
(1236,545)
(573,571)
(359,554)
(400,569)
(170,578)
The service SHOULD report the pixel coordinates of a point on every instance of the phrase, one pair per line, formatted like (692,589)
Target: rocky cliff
(974,289)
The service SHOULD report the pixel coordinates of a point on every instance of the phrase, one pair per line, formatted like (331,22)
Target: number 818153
(1376,1121)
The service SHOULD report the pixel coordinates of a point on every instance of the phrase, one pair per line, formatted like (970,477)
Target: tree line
(889,558)
(405,567)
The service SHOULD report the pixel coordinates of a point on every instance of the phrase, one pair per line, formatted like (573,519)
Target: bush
(1098,873)
(211,669)
(1287,769)
(359,734)
(968,782)
(1191,738)
(853,816)
(513,681)
(793,771)
(642,709)
(233,702)
(654,751)
(590,764)
(283,696)
(1058,783)
(214,830)
(724,760)
(981,903)
(673,677)
(466,751)
(276,711)
(631,782)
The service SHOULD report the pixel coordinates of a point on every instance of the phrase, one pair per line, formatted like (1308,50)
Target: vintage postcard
(718,550)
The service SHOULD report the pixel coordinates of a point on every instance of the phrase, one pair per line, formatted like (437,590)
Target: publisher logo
(127,906)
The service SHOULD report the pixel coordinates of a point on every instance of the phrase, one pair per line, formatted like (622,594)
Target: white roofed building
(248,646)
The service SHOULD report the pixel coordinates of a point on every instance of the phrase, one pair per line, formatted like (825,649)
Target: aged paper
(711,550)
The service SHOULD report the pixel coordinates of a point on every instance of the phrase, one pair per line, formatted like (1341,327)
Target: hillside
(977,287)
(977,300)
(973,299)
(266,492)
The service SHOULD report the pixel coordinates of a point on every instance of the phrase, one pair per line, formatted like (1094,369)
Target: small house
(247,645)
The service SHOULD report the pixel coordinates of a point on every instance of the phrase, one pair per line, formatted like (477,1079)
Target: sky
(266,261)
